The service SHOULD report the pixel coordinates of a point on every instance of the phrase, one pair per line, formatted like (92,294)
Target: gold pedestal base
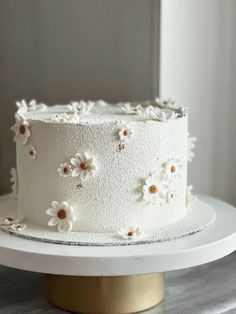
(105,295)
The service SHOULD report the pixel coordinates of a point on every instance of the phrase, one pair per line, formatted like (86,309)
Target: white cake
(97,167)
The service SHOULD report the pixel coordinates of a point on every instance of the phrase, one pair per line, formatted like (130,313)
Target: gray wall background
(62,50)
(198,67)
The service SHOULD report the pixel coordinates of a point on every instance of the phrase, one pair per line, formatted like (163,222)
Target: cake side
(138,179)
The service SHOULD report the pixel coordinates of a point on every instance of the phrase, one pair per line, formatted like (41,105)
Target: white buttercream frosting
(111,199)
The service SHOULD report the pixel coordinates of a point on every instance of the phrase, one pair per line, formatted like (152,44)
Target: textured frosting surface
(113,198)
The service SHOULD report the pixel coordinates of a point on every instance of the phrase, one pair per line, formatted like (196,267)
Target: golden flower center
(126,132)
(173,169)
(61,214)
(130,233)
(153,189)
(84,166)
(22,129)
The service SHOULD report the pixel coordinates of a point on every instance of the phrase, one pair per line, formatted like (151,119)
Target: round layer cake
(98,167)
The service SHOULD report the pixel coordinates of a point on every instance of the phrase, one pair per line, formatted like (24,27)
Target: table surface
(209,288)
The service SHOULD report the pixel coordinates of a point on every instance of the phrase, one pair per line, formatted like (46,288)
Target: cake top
(96,112)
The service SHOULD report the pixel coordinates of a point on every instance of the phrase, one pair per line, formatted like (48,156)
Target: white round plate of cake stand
(120,279)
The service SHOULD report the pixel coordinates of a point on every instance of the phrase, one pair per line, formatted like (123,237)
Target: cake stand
(123,279)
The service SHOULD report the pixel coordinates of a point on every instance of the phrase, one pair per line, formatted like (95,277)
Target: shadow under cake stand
(118,279)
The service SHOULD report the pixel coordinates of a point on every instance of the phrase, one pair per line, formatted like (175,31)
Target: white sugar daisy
(63,118)
(62,216)
(65,170)
(129,234)
(172,169)
(31,152)
(125,133)
(21,129)
(127,108)
(10,220)
(84,166)
(154,189)
(17,227)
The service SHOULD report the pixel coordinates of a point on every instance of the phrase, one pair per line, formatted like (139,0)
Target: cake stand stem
(105,295)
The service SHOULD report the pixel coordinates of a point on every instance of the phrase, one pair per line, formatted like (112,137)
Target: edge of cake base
(199,217)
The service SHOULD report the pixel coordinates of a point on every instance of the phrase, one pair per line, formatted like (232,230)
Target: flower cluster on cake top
(23,106)
(159,110)
(81,107)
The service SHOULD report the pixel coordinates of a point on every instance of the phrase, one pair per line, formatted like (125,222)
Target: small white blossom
(21,129)
(191,146)
(154,189)
(183,110)
(190,198)
(125,133)
(63,117)
(171,196)
(81,107)
(14,181)
(101,103)
(17,227)
(139,110)
(84,166)
(31,152)
(127,108)
(23,106)
(162,116)
(165,103)
(171,105)
(65,170)
(62,216)
(129,234)
(8,221)
(171,169)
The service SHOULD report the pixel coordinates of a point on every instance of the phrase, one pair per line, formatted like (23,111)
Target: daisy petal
(51,211)
(64,205)
(84,175)
(76,172)
(53,222)
(56,205)
(75,162)
(64,226)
